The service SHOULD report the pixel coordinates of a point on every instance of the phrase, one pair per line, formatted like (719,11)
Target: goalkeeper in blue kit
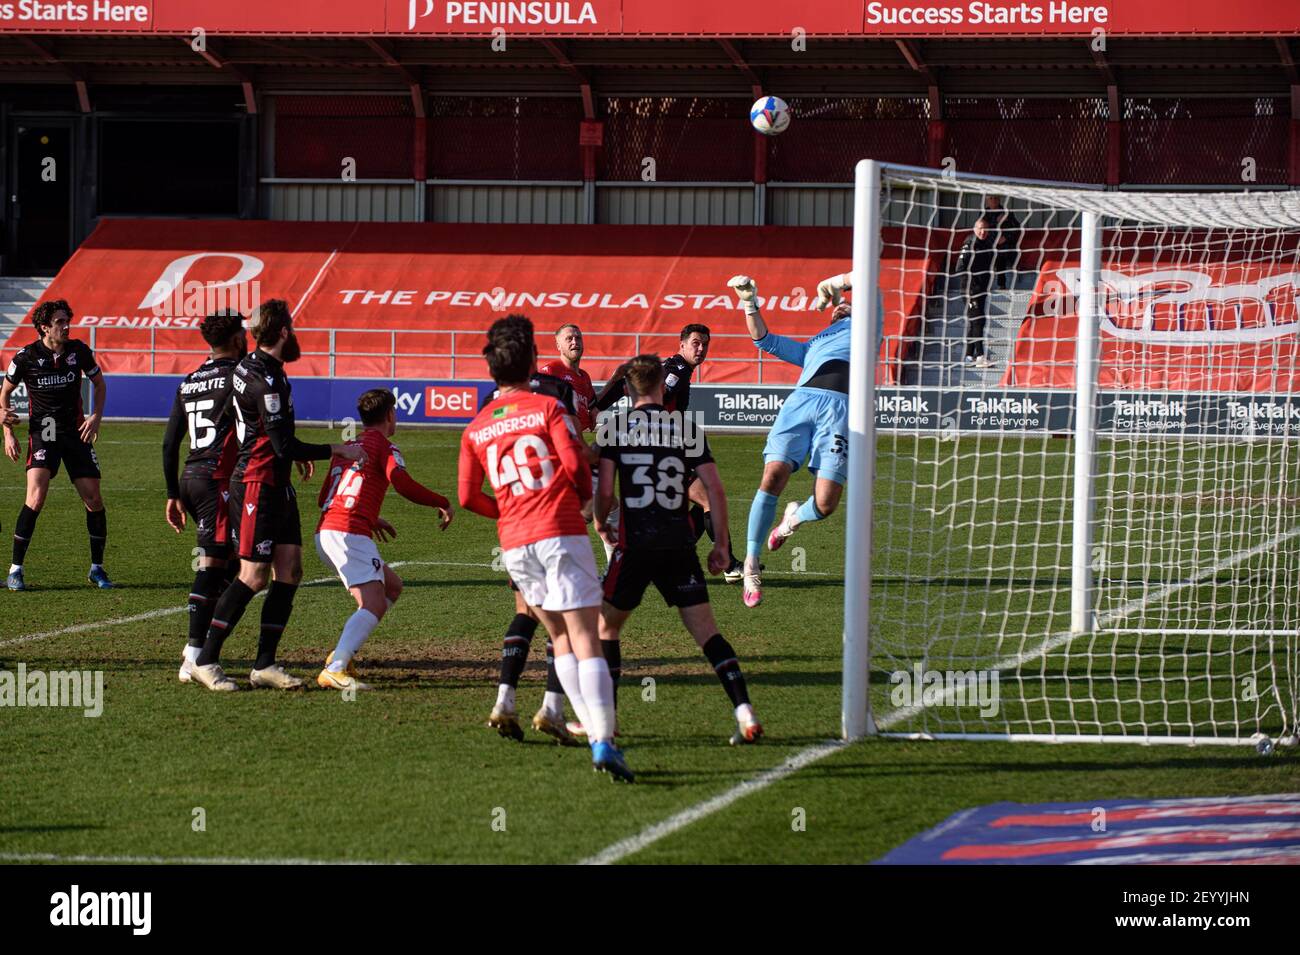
(813,425)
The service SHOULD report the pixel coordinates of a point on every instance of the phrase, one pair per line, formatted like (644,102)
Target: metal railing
(471,351)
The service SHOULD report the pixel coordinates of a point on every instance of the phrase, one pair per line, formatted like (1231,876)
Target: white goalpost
(1074,463)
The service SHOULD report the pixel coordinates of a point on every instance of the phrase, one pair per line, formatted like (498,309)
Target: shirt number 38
(664,487)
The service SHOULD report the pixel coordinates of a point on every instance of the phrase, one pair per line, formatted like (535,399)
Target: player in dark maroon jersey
(652,453)
(693,348)
(58,431)
(264,522)
(203,410)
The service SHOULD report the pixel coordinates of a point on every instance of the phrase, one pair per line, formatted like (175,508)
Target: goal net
(1077,499)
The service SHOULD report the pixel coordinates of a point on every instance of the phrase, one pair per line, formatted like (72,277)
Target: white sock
(744,713)
(506,697)
(96,566)
(14,568)
(598,694)
(192,653)
(355,632)
(553,704)
(566,669)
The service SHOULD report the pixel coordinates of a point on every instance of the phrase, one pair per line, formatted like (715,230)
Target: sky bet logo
(450,401)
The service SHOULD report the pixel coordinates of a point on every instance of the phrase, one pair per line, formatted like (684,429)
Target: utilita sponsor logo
(1186,306)
(449,401)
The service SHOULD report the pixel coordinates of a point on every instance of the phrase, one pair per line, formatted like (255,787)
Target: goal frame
(857,719)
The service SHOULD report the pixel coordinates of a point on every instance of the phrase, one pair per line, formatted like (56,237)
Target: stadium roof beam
(212,53)
(388,54)
(74,74)
(561,56)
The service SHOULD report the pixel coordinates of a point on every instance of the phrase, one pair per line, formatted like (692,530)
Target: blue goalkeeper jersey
(826,351)
(831,344)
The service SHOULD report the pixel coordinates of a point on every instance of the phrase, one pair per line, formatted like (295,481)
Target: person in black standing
(976,265)
(264,523)
(59,432)
(202,408)
(1007,231)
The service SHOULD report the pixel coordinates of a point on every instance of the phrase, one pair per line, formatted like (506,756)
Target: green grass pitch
(411,773)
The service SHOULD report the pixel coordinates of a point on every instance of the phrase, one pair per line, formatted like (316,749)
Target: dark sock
(275,617)
(97,528)
(698,519)
(225,616)
(708,526)
(727,667)
(230,574)
(514,651)
(614,658)
(203,600)
(24,528)
(552,681)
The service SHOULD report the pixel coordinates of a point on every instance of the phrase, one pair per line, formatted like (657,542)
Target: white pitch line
(175,860)
(147,615)
(626,847)
(645,837)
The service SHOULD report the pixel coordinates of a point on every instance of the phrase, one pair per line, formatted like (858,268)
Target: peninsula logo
(1187,307)
(502,14)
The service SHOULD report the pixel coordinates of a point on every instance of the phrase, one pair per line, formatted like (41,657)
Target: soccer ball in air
(770,115)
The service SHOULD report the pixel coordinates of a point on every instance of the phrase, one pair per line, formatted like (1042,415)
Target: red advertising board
(403,298)
(757,18)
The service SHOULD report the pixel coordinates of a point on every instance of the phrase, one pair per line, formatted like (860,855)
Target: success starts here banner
(770,18)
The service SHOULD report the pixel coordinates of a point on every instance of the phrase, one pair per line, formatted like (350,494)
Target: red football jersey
(584,395)
(524,446)
(351,497)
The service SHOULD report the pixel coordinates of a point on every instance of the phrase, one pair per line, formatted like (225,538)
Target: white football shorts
(555,573)
(354,556)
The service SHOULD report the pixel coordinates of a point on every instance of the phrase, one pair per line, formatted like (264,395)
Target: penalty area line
(137,618)
(633,844)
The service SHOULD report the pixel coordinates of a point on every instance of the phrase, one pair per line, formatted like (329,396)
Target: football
(770,115)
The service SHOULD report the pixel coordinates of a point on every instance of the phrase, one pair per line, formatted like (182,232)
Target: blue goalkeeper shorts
(814,424)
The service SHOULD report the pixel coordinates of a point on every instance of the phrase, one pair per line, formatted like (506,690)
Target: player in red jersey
(350,499)
(539,470)
(568,342)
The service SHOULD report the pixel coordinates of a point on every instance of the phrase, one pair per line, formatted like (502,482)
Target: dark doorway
(41,201)
(172,167)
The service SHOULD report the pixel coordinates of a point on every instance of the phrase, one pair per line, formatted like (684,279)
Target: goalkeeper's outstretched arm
(786,349)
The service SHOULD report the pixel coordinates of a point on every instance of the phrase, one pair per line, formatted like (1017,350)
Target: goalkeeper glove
(747,290)
(831,290)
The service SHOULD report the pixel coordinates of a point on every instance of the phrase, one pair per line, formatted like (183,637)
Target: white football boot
(274,677)
(213,677)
